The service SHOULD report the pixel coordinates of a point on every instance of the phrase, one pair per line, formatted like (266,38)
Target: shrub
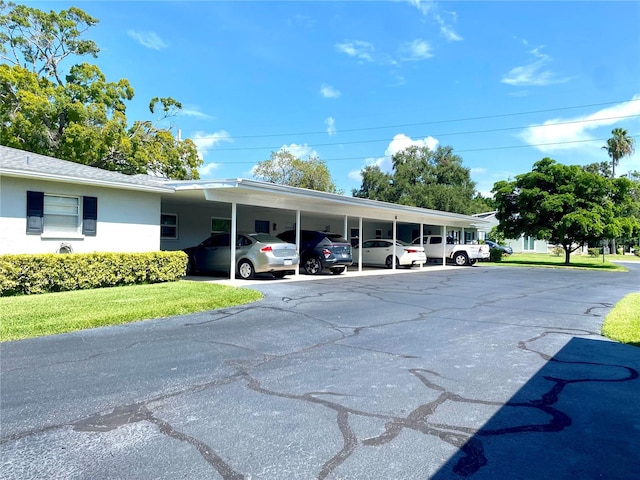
(495,255)
(557,251)
(42,273)
(594,252)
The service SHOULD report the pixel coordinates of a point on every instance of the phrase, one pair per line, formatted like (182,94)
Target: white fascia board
(84,181)
(253,192)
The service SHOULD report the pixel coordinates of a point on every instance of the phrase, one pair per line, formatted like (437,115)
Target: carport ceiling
(264,194)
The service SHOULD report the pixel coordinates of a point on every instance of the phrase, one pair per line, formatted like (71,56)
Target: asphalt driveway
(480,373)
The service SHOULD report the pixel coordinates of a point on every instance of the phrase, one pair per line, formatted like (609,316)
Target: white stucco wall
(128,221)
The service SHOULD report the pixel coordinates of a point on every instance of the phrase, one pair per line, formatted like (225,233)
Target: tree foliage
(618,146)
(78,115)
(284,168)
(562,204)
(425,178)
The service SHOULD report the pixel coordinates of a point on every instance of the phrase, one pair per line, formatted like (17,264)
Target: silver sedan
(255,253)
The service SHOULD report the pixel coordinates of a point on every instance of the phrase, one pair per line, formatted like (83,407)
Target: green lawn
(623,321)
(576,261)
(50,313)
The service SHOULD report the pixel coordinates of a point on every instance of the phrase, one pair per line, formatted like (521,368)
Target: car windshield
(265,238)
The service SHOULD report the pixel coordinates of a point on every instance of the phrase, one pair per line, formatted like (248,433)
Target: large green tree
(76,114)
(618,146)
(284,168)
(425,178)
(562,204)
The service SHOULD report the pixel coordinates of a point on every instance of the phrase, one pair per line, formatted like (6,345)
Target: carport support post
(395,224)
(232,239)
(298,241)
(360,244)
(444,245)
(422,241)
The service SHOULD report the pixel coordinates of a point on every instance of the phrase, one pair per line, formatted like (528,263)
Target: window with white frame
(169,226)
(61,214)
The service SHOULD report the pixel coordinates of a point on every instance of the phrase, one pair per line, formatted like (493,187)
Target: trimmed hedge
(54,272)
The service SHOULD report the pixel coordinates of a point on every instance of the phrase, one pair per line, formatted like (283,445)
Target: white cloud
(331,126)
(417,50)
(355,175)
(357,49)
(402,142)
(549,136)
(300,151)
(423,5)
(147,39)
(327,91)
(193,111)
(447,30)
(208,169)
(535,73)
(206,141)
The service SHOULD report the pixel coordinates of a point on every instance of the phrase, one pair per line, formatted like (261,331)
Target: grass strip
(623,321)
(51,313)
(553,261)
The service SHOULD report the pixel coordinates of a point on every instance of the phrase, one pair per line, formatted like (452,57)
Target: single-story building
(523,244)
(50,205)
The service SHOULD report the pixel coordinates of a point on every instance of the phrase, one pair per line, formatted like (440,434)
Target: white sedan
(379,252)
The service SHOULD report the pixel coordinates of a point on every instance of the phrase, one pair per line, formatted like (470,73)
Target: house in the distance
(524,244)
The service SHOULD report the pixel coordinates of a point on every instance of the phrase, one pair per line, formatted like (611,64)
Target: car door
(368,252)
(214,253)
(384,248)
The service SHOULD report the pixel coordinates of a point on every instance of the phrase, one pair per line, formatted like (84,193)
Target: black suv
(320,250)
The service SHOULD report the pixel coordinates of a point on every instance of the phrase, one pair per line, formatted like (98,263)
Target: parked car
(255,253)
(459,254)
(379,252)
(321,250)
(505,248)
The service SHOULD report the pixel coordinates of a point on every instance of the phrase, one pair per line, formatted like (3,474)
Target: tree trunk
(567,254)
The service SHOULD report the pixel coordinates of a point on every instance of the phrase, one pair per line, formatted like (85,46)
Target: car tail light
(268,248)
(326,253)
(411,250)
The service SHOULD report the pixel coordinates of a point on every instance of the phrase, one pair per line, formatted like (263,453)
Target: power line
(504,147)
(434,122)
(356,142)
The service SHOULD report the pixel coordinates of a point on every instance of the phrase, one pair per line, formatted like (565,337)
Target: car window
(307,236)
(221,240)
(369,244)
(434,240)
(450,241)
(335,238)
(384,243)
(265,238)
(243,241)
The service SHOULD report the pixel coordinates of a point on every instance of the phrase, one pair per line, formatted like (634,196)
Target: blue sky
(504,83)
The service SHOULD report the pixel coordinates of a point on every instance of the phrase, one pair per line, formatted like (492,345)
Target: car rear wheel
(338,270)
(460,259)
(313,265)
(246,270)
(388,261)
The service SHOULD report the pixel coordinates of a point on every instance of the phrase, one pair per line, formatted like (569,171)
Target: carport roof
(265,194)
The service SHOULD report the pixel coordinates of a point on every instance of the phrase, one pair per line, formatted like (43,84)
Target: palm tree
(618,146)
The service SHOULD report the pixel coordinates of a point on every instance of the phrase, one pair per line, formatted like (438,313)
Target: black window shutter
(89,216)
(35,212)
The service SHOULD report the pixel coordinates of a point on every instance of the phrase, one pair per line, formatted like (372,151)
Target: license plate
(288,262)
